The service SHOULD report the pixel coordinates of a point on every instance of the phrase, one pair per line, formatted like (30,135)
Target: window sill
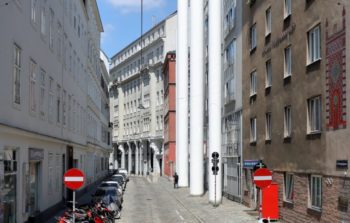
(316,212)
(252,143)
(287,79)
(252,50)
(313,135)
(287,139)
(285,17)
(267,90)
(268,141)
(268,35)
(313,62)
(288,204)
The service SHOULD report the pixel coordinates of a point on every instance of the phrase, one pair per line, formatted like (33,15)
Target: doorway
(34,179)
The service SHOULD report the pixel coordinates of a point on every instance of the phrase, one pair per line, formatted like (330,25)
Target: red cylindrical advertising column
(270,202)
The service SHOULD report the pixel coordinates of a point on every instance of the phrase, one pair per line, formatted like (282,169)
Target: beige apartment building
(294,105)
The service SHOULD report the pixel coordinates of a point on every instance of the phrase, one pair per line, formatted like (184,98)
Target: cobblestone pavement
(153,200)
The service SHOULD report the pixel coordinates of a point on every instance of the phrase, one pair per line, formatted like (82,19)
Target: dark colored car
(107,195)
(119,179)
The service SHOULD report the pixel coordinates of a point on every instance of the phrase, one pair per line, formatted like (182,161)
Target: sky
(122,20)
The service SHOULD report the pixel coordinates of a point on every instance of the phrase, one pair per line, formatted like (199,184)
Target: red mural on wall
(336,77)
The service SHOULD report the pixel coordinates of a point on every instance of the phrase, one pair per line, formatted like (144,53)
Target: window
(32,76)
(51,110)
(161,122)
(59,41)
(161,97)
(43,22)
(42,93)
(287,121)
(268,82)
(316,191)
(33,10)
(157,126)
(253,37)
(146,100)
(268,127)
(16,75)
(253,83)
(288,187)
(157,98)
(268,21)
(253,130)
(58,102)
(51,29)
(64,112)
(287,8)
(287,62)
(314,45)
(314,114)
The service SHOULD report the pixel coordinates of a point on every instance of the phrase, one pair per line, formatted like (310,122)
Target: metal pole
(73,206)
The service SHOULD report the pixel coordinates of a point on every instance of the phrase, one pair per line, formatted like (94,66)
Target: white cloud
(126,6)
(108,28)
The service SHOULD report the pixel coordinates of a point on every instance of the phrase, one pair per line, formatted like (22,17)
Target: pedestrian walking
(176,180)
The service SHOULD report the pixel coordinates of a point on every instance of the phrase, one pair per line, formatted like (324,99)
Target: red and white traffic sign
(262,177)
(73,179)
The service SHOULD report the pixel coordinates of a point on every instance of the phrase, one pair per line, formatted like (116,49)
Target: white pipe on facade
(197,96)
(215,190)
(136,158)
(182,94)
(121,148)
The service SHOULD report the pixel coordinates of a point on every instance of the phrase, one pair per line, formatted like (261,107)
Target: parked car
(113,184)
(108,195)
(123,171)
(118,179)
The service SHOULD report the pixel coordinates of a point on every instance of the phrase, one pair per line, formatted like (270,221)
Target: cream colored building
(52,104)
(137,99)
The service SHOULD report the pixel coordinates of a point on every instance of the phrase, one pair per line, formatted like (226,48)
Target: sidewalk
(228,212)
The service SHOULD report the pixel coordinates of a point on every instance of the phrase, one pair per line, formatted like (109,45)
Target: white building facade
(137,99)
(50,91)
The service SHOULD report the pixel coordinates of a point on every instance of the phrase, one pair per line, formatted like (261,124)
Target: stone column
(214,91)
(129,158)
(156,167)
(182,93)
(197,99)
(136,158)
(121,148)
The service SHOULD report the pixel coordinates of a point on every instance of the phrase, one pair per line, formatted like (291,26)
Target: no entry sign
(73,179)
(262,177)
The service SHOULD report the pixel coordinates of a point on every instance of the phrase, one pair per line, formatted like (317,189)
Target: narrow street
(153,200)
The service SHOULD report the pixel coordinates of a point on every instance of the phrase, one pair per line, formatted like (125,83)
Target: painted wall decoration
(336,77)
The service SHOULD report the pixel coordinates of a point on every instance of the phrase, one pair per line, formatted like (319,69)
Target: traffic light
(215,161)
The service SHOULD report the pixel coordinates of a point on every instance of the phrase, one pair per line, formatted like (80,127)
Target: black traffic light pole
(215,169)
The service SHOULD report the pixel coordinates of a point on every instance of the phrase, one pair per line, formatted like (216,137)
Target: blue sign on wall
(250,163)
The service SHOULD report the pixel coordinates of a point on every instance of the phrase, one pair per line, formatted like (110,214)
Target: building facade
(138,99)
(169,154)
(46,103)
(232,99)
(295,107)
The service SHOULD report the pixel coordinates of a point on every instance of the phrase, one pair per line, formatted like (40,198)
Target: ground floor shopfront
(304,197)
(31,172)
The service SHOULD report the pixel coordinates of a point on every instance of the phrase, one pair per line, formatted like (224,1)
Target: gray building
(50,89)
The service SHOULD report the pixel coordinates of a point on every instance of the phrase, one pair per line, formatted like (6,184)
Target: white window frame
(268,68)
(253,39)
(268,126)
(315,194)
(287,132)
(287,8)
(32,85)
(289,187)
(253,136)
(33,12)
(43,21)
(314,115)
(268,21)
(17,52)
(287,61)
(314,44)
(253,83)
(42,93)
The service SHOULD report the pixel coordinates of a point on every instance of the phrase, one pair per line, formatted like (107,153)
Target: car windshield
(101,192)
(118,179)
(109,184)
